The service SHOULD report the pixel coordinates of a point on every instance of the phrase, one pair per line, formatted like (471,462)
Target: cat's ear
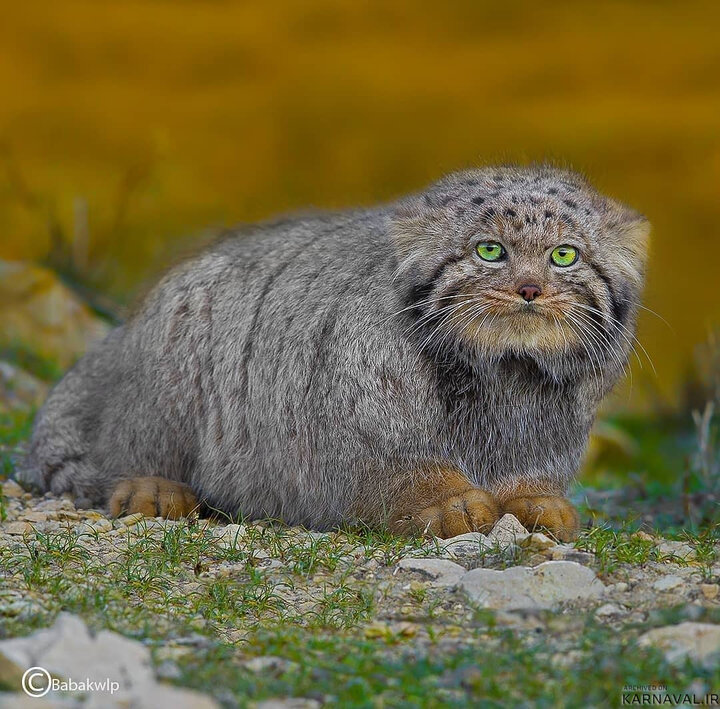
(418,232)
(628,231)
(413,222)
(631,227)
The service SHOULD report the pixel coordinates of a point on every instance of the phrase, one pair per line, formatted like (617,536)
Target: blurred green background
(129,129)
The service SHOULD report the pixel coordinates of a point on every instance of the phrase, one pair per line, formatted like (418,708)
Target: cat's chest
(509,405)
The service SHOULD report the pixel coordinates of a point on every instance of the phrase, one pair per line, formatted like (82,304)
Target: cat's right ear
(417,232)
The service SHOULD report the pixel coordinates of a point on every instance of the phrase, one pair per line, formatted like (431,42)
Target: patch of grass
(495,667)
(184,573)
(15,428)
(613,547)
(382,545)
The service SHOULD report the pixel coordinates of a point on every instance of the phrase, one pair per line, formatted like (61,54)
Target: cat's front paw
(153,496)
(471,511)
(547,512)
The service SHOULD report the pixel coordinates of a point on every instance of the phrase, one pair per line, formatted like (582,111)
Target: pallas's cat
(427,364)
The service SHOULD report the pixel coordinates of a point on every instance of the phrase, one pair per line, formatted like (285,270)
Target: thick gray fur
(302,369)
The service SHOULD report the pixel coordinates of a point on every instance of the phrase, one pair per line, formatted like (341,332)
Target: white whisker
(604,339)
(622,329)
(425,301)
(589,349)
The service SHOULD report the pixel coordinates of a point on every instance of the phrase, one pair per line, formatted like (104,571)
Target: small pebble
(709,590)
(668,583)
(670,550)
(18,528)
(11,489)
(35,516)
(608,610)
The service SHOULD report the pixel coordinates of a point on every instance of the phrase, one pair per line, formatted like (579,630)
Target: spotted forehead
(535,207)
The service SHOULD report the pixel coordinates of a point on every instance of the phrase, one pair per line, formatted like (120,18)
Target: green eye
(564,255)
(490,250)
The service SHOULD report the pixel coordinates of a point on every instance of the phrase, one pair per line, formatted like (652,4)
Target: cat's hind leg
(59,459)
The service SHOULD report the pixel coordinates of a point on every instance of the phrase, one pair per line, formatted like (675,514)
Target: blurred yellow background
(137,125)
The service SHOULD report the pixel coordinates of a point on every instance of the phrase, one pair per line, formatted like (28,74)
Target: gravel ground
(185,589)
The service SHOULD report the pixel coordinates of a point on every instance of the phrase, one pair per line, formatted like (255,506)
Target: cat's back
(343,238)
(271,279)
(282,254)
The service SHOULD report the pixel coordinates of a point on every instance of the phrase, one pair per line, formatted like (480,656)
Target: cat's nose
(529,292)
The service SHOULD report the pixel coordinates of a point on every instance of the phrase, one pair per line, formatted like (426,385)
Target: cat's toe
(472,511)
(153,497)
(548,512)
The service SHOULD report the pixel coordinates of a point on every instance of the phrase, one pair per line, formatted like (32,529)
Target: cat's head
(521,261)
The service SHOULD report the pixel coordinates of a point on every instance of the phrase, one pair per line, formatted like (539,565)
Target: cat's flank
(428,364)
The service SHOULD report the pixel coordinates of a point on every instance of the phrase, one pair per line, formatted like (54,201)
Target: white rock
(672,549)
(507,530)
(536,541)
(544,586)
(36,516)
(317,535)
(698,641)
(153,696)
(168,669)
(67,650)
(668,583)
(18,528)
(608,610)
(566,552)
(98,526)
(709,590)
(230,535)
(468,544)
(267,663)
(56,504)
(441,572)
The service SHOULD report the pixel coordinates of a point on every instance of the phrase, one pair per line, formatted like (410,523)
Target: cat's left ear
(628,230)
